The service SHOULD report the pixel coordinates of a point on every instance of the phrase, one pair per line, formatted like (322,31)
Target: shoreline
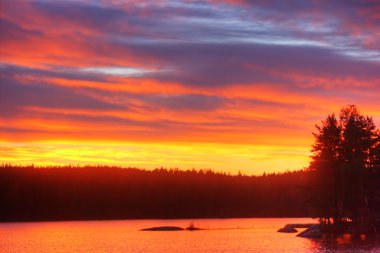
(320,230)
(127,219)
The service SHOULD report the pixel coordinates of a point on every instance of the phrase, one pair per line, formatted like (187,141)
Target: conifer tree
(345,168)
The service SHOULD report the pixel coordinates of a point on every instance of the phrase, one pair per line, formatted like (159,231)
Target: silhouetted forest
(81,193)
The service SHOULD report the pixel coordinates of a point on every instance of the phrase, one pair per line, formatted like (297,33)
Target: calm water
(222,235)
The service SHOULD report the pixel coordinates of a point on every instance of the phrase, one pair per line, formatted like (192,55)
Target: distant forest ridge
(113,167)
(107,192)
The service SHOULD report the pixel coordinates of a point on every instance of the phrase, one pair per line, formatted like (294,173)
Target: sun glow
(248,159)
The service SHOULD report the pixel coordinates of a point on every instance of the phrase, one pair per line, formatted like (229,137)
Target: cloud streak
(172,74)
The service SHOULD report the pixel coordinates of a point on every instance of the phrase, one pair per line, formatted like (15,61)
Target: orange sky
(214,84)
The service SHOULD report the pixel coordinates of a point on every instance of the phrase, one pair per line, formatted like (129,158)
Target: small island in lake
(344,176)
(163,228)
(191,227)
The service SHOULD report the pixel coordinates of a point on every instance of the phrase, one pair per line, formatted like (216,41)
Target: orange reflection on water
(344,239)
(222,235)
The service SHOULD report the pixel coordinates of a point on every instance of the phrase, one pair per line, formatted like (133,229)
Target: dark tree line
(73,193)
(345,171)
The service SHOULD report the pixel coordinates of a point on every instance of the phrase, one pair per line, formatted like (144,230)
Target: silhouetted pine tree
(325,170)
(344,168)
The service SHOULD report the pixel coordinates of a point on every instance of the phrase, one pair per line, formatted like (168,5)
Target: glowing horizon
(226,85)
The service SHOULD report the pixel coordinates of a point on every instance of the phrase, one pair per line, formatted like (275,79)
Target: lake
(221,235)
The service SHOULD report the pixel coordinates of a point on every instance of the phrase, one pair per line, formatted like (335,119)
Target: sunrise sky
(227,85)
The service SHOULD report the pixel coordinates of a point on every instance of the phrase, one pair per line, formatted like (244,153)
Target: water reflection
(346,242)
(222,235)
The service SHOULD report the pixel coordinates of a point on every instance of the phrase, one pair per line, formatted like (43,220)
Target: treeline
(30,193)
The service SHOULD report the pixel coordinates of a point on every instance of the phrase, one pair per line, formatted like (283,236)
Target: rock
(163,228)
(312,232)
(287,229)
(193,228)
